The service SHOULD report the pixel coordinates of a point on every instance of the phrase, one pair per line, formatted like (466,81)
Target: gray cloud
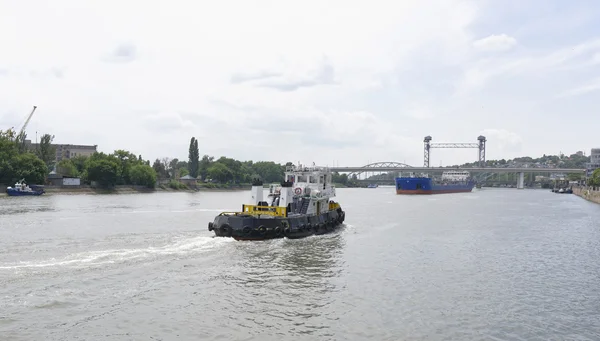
(165,122)
(58,72)
(324,74)
(123,53)
(237,78)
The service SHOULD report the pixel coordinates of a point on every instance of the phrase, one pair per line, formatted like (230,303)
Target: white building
(594,161)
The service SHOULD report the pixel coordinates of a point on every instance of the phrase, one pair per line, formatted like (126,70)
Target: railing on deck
(275,211)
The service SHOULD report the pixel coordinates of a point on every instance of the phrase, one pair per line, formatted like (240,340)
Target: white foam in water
(183,247)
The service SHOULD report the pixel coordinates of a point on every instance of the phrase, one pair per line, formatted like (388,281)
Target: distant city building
(594,161)
(579,153)
(67,151)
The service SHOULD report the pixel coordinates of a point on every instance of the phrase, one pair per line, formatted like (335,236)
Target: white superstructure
(305,190)
(455,175)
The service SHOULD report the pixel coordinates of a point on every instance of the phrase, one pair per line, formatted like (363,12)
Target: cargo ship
(451,182)
(299,207)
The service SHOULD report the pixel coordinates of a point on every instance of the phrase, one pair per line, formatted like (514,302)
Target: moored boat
(299,207)
(22,189)
(372,186)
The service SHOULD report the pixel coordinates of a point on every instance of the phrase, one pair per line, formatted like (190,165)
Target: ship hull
(246,227)
(15,193)
(417,186)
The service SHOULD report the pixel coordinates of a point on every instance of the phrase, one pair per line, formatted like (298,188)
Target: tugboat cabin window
(302,178)
(313,179)
(322,179)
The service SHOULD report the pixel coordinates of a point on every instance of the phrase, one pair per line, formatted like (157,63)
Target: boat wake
(102,257)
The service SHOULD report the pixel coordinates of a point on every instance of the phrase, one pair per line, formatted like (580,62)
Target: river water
(494,264)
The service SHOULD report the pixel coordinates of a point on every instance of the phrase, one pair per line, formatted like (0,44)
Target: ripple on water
(424,269)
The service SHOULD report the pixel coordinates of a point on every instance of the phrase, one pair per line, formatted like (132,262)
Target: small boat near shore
(299,207)
(563,190)
(22,189)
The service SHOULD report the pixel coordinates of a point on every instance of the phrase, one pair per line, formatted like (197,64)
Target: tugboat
(22,189)
(299,207)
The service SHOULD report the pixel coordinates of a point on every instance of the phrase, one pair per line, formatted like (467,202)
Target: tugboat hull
(16,193)
(248,227)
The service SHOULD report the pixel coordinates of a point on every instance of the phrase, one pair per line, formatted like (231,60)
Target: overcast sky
(312,81)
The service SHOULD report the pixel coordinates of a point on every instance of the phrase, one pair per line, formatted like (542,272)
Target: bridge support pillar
(521,181)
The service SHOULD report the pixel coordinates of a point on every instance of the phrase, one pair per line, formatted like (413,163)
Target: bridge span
(444,169)
(474,170)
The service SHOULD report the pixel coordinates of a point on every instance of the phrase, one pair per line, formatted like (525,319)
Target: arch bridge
(377,169)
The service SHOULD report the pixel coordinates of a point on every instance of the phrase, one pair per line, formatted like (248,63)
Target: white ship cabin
(455,175)
(313,181)
(306,190)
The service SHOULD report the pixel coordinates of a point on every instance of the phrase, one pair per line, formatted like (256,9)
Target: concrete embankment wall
(587,193)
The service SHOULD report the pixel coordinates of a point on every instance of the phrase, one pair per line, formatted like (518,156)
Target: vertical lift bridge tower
(479,145)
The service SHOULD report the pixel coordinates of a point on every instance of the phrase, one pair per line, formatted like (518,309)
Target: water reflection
(287,284)
(313,259)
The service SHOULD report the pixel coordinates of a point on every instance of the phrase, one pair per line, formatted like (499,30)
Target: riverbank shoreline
(79,190)
(587,194)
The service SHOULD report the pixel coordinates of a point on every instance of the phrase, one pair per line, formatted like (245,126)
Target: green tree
(15,166)
(193,156)
(160,169)
(173,167)
(177,168)
(79,163)
(8,152)
(269,171)
(66,167)
(234,166)
(29,167)
(594,180)
(143,175)
(220,172)
(46,151)
(20,142)
(181,172)
(204,164)
(104,171)
(126,161)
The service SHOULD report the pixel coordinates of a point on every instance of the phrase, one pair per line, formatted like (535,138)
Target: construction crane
(27,121)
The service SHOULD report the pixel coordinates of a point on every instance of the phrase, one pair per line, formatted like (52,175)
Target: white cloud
(495,42)
(502,142)
(592,86)
(291,78)
(339,80)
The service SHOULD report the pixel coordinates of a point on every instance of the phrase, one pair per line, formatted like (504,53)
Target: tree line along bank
(125,168)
